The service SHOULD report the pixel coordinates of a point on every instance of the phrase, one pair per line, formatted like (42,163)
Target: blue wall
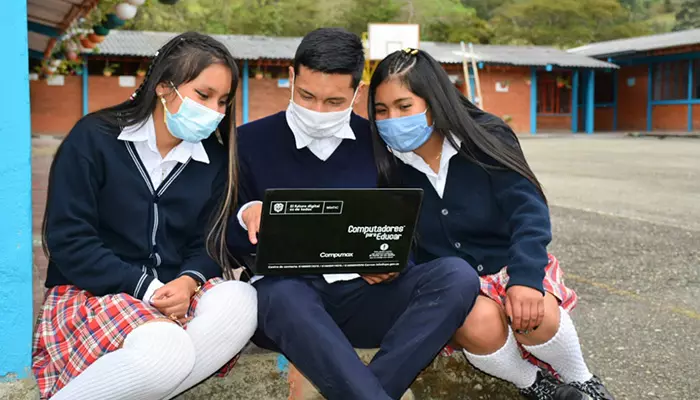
(15,196)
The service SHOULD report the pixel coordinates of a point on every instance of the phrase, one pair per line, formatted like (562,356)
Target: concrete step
(262,375)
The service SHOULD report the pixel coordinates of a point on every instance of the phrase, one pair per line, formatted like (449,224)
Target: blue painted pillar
(86,77)
(616,88)
(590,102)
(574,102)
(472,85)
(245,90)
(582,98)
(650,96)
(15,198)
(690,95)
(533,100)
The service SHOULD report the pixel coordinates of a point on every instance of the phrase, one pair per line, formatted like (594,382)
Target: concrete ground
(626,219)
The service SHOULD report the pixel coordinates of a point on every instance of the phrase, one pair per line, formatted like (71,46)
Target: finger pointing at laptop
(250,219)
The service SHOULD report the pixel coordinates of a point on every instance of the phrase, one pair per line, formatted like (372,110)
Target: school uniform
(494,219)
(121,222)
(317,320)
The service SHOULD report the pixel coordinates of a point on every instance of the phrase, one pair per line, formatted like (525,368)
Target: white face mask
(318,124)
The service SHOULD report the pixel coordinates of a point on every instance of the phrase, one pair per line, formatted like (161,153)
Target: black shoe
(568,392)
(594,388)
(546,387)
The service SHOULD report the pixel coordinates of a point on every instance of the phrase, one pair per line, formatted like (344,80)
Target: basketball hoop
(380,40)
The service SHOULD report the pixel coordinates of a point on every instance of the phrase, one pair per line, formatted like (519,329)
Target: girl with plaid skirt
(136,307)
(483,203)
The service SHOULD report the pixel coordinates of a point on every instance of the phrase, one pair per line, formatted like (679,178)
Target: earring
(165,110)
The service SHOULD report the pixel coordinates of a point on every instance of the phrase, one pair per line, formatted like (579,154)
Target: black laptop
(328,231)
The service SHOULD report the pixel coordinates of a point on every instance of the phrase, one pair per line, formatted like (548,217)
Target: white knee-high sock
(153,360)
(506,363)
(225,319)
(563,352)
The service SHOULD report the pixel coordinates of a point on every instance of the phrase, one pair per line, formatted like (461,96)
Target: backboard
(385,39)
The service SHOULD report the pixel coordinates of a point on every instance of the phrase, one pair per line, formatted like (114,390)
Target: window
(604,87)
(553,93)
(670,80)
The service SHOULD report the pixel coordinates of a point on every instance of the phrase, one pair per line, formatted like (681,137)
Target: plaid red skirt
(494,287)
(75,328)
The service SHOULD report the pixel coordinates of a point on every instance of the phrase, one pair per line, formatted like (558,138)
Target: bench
(264,375)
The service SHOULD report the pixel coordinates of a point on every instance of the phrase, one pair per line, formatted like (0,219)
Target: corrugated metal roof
(639,44)
(242,47)
(450,53)
(140,43)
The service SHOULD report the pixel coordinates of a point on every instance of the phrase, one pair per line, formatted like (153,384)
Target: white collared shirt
(143,136)
(157,166)
(439,179)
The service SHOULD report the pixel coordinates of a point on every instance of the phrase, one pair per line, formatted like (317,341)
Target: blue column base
(16,314)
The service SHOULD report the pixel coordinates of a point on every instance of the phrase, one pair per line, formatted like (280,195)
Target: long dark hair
(486,139)
(179,61)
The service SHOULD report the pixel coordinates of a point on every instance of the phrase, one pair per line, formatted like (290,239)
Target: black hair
(179,61)
(486,139)
(334,51)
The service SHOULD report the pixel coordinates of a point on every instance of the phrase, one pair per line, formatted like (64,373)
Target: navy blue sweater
(490,218)
(269,159)
(109,231)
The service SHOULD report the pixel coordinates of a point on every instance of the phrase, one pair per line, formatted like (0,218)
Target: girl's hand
(374,279)
(173,299)
(524,308)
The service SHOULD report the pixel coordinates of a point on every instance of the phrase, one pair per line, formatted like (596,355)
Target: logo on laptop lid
(277,207)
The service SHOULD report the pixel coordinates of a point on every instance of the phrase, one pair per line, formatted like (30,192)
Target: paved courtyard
(626,216)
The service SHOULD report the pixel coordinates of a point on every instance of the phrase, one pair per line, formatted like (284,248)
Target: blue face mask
(405,134)
(193,122)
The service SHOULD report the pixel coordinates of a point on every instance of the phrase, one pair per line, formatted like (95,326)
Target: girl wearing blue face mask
(483,203)
(136,306)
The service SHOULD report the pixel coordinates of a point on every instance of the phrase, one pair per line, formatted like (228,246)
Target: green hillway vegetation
(561,23)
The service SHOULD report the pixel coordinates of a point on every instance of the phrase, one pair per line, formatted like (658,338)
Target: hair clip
(411,51)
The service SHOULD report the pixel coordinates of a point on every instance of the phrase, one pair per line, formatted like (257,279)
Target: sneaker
(546,387)
(594,388)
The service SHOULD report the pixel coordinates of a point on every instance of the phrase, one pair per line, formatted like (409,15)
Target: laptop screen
(311,231)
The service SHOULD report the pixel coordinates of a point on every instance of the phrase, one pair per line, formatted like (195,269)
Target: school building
(640,84)
(533,88)
(656,88)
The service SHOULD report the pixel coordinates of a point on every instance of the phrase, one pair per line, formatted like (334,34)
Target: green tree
(543,22)
(688,17)
(363,12)
(485,8)
(277,18)
(668,6)
(563,23)
(261,17)
(185,15)
(451,21)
